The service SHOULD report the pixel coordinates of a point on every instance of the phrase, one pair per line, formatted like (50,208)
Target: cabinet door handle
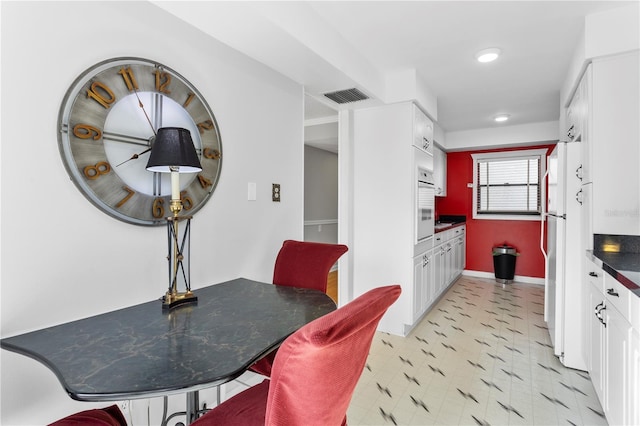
(612,292)
(593,274)
(600,316)
(425,143)
(579,196)
(596,311)
(570,134)
(579,172)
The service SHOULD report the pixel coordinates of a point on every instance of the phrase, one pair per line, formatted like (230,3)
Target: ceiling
(334,45)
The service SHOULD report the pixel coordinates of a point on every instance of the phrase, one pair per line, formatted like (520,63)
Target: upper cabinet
(440,171)
(575,117)
(422,131)
(614,144)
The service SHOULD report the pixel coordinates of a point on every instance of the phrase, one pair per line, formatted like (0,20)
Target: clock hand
(145,112)
(134,157)
(132,140)
(116,137)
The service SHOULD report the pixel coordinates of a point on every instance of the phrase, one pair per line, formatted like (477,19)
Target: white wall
(502,137)
(62,258)
(320,195)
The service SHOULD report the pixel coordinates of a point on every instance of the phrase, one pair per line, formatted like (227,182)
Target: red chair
(301,264)
(306,264)
(315,371)
(109,416)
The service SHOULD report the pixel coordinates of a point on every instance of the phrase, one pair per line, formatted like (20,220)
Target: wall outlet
(275,192)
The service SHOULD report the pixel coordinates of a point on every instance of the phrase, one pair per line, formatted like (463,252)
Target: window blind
(509,186)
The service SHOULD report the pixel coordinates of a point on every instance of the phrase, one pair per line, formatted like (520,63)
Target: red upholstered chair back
(317,368)
(306,264)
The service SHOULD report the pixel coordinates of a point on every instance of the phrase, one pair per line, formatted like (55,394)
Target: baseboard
(517,278)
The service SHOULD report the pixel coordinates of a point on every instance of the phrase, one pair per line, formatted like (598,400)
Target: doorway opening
(321,178)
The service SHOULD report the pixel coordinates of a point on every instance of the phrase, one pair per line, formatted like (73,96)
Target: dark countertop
(451,221)
(446,228)
(624,267)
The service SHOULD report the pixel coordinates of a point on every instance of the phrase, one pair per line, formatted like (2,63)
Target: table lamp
(173,152)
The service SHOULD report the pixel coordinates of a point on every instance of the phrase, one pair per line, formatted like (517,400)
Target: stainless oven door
(425,211)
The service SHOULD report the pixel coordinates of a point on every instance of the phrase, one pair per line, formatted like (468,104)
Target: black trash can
(504,263)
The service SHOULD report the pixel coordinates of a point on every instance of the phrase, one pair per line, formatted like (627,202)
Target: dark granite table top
(142,352)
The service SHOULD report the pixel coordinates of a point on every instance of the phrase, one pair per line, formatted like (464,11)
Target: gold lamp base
(172,299)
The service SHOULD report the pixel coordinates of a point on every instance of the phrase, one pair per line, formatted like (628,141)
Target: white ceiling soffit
(336,45)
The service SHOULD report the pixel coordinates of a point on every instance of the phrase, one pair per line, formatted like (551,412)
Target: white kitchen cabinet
(617,334)
(449,254)
(459,249)
(586,136)
(596,341)
(438,270)
(613,345)
(422,283)
(615,151)
(422,131)
(575,117)
(440,171)
(634,376)
(448,263)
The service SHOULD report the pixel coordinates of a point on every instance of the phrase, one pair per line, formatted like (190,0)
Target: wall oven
(425,205)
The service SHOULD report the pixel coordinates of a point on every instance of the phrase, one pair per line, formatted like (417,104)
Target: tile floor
(481,356)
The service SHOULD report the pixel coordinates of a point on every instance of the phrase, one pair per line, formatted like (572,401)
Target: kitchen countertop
(445,226)
(624,267)
(446,222)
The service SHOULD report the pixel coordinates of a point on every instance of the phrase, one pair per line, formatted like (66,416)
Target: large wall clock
(106,128)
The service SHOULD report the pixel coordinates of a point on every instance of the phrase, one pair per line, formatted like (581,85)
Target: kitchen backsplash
(616,243)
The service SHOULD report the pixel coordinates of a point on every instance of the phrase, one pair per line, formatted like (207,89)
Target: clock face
(106,129)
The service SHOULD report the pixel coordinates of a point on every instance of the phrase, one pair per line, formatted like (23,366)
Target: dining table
(143,351)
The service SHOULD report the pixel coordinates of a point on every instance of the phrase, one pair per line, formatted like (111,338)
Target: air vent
(346,96)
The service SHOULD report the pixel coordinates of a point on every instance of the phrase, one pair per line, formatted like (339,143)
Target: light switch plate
(251,191)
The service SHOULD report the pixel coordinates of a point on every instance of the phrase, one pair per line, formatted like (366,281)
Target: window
(507,185)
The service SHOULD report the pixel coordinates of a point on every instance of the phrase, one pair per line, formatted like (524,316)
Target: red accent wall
(483,235)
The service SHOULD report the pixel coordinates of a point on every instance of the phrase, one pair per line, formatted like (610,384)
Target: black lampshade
(173,147)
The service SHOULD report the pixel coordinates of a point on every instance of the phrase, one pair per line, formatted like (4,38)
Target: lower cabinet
(613,346)
(435,269)
(617,334)
(595,355)
(422,283)
(634,377)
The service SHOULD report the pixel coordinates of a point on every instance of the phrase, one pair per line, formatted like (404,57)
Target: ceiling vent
(346,96)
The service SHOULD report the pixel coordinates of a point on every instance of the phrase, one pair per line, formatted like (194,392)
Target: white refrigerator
(564,252)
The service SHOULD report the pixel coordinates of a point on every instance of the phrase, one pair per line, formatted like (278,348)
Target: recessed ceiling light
(488,55)
(502,117)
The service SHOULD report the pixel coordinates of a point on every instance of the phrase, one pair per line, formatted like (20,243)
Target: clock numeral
(205,125)
(129,78)
(97,170)
(130,193)
(85,131)
(187,202)
(157,208)
(212,154)
(204,182)
(189,99)
(98,91)
(163,80)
